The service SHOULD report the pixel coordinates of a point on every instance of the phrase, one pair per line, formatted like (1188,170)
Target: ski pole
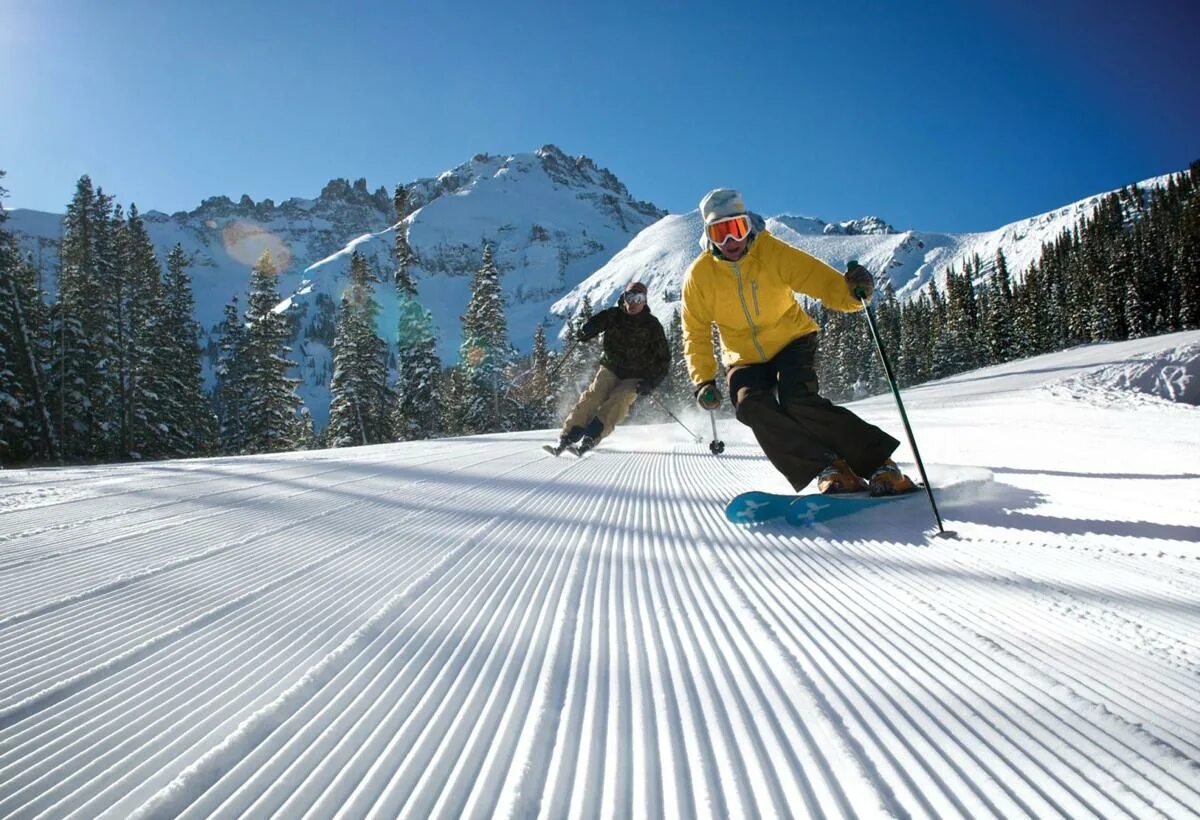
(519,379)
(677,421)
(562,359)
(716,445)
(861,295)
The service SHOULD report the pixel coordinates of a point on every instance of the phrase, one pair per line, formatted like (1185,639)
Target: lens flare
(245,242)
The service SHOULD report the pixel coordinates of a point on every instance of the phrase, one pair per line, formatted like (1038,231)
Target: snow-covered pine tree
(83,386)
(405,258)
(578,367)
(186,410)
(272,408)
(676,390)
(1105,246)
(914,350)
(417,412)
(957,346)
(485,352)
(873,378)
(359,407)
(454,388)
(998,318)
(26,429)
(1185,264)
(230,394)
(529,391)
(836,372)
(143,354)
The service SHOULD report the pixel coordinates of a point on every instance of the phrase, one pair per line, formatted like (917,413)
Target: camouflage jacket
(635,347)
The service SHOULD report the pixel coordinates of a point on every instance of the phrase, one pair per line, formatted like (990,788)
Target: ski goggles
(634,298)
(733,227)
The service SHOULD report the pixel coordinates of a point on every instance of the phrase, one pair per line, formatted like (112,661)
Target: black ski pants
(799,431)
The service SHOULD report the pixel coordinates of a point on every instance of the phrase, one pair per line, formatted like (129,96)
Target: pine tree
(485,351)
(186,410)
(579,360)
(888,324)
(1185,262)
(83,386)
(26,429)
(360,398)
(998,317)
(405,258)
(914,361)
(957,346)
(676,391)
(273,410)
(455,389)
(529,395)
(418,406)
(232,390)
(143,347)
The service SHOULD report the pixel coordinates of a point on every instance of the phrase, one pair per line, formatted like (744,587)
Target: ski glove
(708,396)
(862,285)
(645,387)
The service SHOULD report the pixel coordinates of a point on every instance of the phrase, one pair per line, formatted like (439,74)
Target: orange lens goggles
(734,227)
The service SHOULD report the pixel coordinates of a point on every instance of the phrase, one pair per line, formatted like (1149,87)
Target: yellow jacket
(753,303)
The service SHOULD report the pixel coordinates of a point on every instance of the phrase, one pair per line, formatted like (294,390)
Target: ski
(755,507)
(801,510)
(806,510)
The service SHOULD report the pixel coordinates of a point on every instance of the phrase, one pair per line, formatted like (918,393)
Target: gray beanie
(721,203)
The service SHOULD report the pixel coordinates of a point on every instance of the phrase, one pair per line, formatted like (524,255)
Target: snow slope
(470,627)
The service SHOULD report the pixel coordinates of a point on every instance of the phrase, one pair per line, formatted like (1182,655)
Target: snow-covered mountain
(560,228)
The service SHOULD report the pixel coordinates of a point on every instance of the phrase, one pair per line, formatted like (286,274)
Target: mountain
(561,228)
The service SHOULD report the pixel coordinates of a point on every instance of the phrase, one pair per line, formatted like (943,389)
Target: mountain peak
(867,225)
(343,191)
(860,227)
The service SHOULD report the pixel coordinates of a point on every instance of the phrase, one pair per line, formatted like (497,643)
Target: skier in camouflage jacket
(635,361)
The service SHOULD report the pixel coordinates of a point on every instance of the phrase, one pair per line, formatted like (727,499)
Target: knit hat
(721,203)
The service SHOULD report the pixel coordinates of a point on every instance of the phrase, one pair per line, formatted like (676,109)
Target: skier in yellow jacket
(745,281)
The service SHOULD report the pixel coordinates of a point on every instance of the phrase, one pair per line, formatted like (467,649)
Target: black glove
(860,281)
(707,395)
(582,337)
(645,387)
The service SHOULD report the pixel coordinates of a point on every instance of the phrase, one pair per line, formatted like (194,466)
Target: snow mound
(1169,375)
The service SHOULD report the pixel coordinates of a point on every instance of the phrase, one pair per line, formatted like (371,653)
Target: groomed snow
(470,627)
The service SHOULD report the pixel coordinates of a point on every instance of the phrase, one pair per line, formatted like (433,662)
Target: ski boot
(888,480)
(838,477)
(556,449)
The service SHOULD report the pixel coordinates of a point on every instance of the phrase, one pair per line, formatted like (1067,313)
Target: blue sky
(937,115)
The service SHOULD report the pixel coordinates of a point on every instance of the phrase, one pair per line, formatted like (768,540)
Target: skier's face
(634,302)
(734,248)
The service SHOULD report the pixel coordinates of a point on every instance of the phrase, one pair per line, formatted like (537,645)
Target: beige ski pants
(607,398)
